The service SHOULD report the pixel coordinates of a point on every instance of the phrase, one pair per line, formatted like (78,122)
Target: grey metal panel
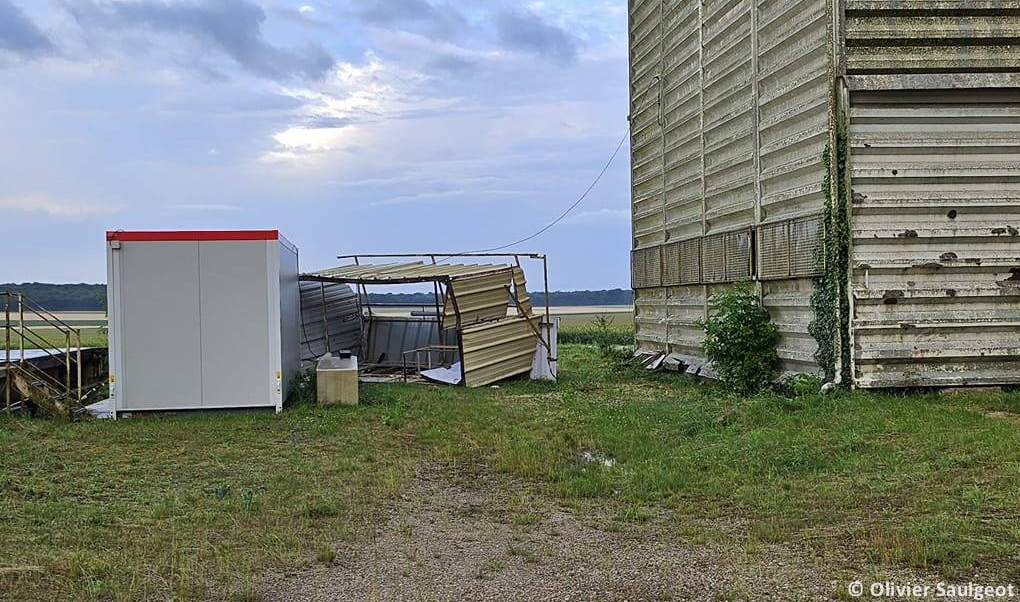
(911,36)
(290,314)
(389,338)
(160,327)
(238,368)
(936,237)
(342,320)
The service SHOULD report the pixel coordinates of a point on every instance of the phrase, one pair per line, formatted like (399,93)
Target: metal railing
(66,350)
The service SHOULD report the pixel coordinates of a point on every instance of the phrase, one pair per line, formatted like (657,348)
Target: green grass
(589,334)
(194,506)
(92,337)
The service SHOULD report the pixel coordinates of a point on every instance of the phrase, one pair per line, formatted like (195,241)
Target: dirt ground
(454,539)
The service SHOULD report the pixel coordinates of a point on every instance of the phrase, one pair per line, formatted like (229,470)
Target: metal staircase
(27,325)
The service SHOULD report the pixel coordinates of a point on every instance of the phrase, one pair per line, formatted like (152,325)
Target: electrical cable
(562,216)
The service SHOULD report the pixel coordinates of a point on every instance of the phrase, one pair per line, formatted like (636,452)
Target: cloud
(19,35)
(525,31)
(438,20)
(54,208)
(600,217)
(234,27)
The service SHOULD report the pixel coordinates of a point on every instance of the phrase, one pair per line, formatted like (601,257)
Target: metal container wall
(201,320)
(731,111)
(936,237)
(947,36)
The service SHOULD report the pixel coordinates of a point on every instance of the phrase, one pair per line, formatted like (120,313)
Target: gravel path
(455,540)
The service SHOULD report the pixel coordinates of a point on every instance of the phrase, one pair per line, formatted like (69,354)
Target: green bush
(740,340)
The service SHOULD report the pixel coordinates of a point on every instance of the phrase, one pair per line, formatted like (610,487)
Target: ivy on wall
(830,303)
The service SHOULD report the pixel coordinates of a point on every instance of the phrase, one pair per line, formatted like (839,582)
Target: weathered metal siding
(936,237)
(479,299)
(494,351)
(730,117)
(915,36)
(339,329)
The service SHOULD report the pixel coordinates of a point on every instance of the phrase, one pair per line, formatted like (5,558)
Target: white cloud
(600,217)
(55,208)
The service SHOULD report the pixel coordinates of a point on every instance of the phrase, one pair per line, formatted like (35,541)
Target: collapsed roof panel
(491,342)
(402,273)
(497,350)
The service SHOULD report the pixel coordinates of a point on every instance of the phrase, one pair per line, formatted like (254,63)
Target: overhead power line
(562,216)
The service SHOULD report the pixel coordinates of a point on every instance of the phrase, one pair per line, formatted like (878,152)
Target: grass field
(90,337)
(189,506)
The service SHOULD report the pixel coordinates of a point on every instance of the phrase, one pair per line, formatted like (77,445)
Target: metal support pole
(548,317)
(77,338)
(67,362)
(325,320)
(8,374)
(21,326)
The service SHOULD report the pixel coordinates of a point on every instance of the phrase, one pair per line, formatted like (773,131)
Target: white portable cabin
(201,320)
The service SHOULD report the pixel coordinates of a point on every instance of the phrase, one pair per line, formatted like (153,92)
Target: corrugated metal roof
(396,273)
(339,328)
(494,351)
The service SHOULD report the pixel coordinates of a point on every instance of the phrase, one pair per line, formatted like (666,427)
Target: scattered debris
(598,458)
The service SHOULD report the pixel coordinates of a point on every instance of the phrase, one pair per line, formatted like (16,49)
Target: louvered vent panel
(774,251)
(653,267)
(690,261)
(637,269)
(738,256)
(671,264)
(805,242)
(713,258)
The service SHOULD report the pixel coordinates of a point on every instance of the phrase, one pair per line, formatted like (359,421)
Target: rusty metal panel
(936,237)
(912,36)
(497,350)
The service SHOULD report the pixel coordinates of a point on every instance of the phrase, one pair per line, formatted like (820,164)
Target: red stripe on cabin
(193,235)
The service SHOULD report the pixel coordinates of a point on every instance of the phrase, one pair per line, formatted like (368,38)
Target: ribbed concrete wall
(730,115)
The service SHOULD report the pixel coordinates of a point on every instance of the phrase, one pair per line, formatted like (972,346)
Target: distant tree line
(92,297)
(62,297)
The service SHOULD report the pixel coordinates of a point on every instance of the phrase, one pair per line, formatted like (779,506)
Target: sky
(352,126)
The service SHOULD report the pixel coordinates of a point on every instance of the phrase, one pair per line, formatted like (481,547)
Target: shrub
(303,390)
(740,340)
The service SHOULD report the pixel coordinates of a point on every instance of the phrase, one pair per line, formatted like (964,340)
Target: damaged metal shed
(480,329)
(858,159)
